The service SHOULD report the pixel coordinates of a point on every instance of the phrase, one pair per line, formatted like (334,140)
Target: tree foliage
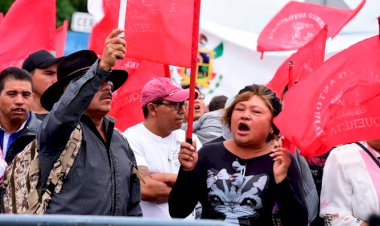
(65,8)
(4,5)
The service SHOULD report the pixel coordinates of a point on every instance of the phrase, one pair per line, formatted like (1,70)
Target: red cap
(162,89)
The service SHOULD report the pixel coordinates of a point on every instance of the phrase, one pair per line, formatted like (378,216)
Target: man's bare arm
(157,186)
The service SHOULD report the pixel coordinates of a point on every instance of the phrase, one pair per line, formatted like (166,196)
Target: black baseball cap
(40,59)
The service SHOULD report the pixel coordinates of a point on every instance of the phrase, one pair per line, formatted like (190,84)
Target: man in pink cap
(156,142)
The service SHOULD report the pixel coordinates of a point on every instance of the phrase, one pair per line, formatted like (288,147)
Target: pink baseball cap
(162,89)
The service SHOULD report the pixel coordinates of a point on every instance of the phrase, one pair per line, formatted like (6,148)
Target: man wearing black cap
(43,68)
(102,179)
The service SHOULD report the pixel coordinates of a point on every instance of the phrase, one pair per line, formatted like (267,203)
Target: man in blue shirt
(18,126)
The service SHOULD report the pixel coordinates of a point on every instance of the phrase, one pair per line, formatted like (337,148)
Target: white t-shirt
(160,155)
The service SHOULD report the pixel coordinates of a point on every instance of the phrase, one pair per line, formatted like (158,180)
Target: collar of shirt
(108,127)
(6,139)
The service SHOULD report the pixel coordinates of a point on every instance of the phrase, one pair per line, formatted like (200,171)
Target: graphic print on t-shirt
(236,200)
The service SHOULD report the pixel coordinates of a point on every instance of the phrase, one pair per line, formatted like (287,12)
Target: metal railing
(71,220)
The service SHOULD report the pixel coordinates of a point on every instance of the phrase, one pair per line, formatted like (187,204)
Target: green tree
(66,8)
(4,5)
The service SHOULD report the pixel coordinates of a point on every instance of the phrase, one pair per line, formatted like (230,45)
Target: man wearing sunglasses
(156,142)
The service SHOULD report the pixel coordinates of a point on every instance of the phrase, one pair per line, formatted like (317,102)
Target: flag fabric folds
(337,103)
(126,101)
(298,22)
(155,30)
(305,61)
(27,27)
(102,29)
(60,39)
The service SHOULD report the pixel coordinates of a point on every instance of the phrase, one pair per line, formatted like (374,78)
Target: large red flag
(298,22)
(338,103)
(60,39)
(126,103)
(305,61)
(28,26)
(1,17)
(155,30)
(102,29)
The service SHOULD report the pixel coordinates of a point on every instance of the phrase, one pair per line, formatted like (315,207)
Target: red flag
(102,29)
(1,17)
(60,39)
(126,103)
(305,61)
(338,103)
(155,30)
(28,26)
(298,22)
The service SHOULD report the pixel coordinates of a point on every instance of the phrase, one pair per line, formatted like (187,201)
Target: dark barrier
(71,220)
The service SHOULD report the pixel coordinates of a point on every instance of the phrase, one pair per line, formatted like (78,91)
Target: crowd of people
(235,170)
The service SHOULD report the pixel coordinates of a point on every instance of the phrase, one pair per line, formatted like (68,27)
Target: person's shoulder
(346,153)
(218,139)
(135,134)
(214,152)
(118,133)
(212,147)
(179,132)
(180,135)
(34,123)
(346,149)
(216,113)
(40,116)
(133,129)
(212,114)
(218,142)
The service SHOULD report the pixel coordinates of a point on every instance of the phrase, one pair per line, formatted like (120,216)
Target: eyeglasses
(174,105)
